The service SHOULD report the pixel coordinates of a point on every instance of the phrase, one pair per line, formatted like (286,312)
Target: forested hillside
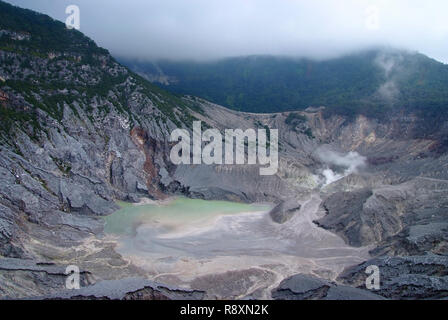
(370,82)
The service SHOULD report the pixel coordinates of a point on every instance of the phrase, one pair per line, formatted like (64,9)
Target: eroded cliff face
(397,204)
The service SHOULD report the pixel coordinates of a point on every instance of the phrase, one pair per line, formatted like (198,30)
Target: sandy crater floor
(229,250)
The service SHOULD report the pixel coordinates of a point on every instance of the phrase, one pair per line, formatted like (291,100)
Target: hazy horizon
(203,30)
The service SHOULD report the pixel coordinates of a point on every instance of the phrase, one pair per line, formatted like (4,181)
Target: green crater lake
(179,214)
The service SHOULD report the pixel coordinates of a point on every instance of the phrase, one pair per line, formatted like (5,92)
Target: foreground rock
(21,278)
(307,287)
(416,277)
(127,289)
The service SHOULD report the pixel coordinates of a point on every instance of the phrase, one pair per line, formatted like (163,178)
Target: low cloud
(209,29)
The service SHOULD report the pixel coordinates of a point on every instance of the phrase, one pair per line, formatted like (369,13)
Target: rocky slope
(305,287)
(79,131)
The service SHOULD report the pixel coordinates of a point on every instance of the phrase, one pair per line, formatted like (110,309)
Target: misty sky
(208,29)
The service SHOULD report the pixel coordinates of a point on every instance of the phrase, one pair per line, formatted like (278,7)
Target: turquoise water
(180,213)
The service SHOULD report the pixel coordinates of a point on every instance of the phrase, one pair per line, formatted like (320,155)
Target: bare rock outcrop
(284,211)
(307,287)
(412,277)
(127,289)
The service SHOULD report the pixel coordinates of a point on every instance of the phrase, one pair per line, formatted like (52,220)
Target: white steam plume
(339,165)
(389,64)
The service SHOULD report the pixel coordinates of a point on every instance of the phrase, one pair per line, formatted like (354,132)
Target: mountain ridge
(372,82)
